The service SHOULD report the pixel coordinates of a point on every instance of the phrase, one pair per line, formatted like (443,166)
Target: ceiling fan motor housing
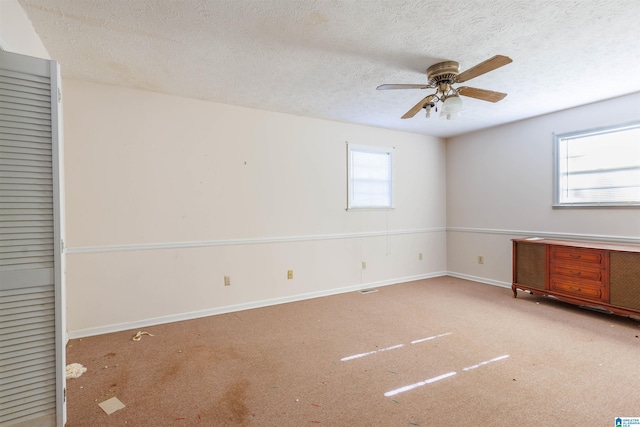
(443,72)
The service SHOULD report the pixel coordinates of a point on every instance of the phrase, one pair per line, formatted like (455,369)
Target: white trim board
(99,330)
(548,234)
(479,279)
(234,242)
(289,239)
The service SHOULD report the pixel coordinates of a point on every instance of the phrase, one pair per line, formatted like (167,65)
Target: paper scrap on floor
(138,336)
(111,405)
(74,370)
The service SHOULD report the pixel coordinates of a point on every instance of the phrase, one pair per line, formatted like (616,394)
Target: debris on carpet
(112,405)
(138,336)
(74,370)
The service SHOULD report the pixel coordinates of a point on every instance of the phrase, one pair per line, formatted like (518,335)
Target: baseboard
(100,330)
(480,279)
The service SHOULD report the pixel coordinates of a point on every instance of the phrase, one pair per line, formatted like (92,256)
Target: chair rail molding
(547,234)
(235,242)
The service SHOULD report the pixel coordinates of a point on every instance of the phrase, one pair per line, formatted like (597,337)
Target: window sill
(370,209)
(595,205)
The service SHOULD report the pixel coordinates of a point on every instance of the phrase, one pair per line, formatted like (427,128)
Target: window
(598,167)
(370,175)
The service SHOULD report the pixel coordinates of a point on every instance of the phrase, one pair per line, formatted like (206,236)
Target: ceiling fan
(441,77)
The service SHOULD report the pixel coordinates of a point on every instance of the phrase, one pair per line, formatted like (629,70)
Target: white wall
(16,32)
(166,196)
(500,186)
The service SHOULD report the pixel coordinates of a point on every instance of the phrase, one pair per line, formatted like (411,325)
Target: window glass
(370,177)
(598,167)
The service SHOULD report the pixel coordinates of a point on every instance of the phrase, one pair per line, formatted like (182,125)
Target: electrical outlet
(227,280)
(289,274)
(364,265)
(480,259)
(420,256)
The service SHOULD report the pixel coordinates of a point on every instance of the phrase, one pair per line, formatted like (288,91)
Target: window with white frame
(599,167)
(370,176)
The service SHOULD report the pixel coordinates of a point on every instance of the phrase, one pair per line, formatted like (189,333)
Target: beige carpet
(437,352)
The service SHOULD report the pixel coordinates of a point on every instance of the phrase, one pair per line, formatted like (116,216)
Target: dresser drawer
(578,272)
(592,292)
(594,257)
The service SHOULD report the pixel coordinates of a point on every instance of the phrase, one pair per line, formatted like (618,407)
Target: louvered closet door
(31,304)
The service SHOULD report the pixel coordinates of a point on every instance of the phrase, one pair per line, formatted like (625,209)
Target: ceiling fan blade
(483,67)
(485,95)
(404,86)
(419,106)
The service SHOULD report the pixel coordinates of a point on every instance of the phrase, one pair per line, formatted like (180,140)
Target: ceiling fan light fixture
(427,108)
(452,104)
(451,107)
(449,116)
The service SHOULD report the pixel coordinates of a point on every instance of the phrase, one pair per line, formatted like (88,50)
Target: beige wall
(500,186)
(16,32)
(166,196)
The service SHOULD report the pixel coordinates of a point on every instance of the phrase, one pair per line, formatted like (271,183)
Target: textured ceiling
(324,58)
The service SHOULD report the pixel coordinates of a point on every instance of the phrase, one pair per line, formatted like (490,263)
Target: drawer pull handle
(575,272)
(574,256)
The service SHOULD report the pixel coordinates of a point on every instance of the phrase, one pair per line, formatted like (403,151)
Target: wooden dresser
(600,275)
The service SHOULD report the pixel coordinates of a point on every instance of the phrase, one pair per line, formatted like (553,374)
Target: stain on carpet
(232,408)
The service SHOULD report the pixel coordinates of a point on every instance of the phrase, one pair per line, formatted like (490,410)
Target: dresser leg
(515,292)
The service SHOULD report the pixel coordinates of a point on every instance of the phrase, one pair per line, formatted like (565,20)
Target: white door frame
(58,239)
